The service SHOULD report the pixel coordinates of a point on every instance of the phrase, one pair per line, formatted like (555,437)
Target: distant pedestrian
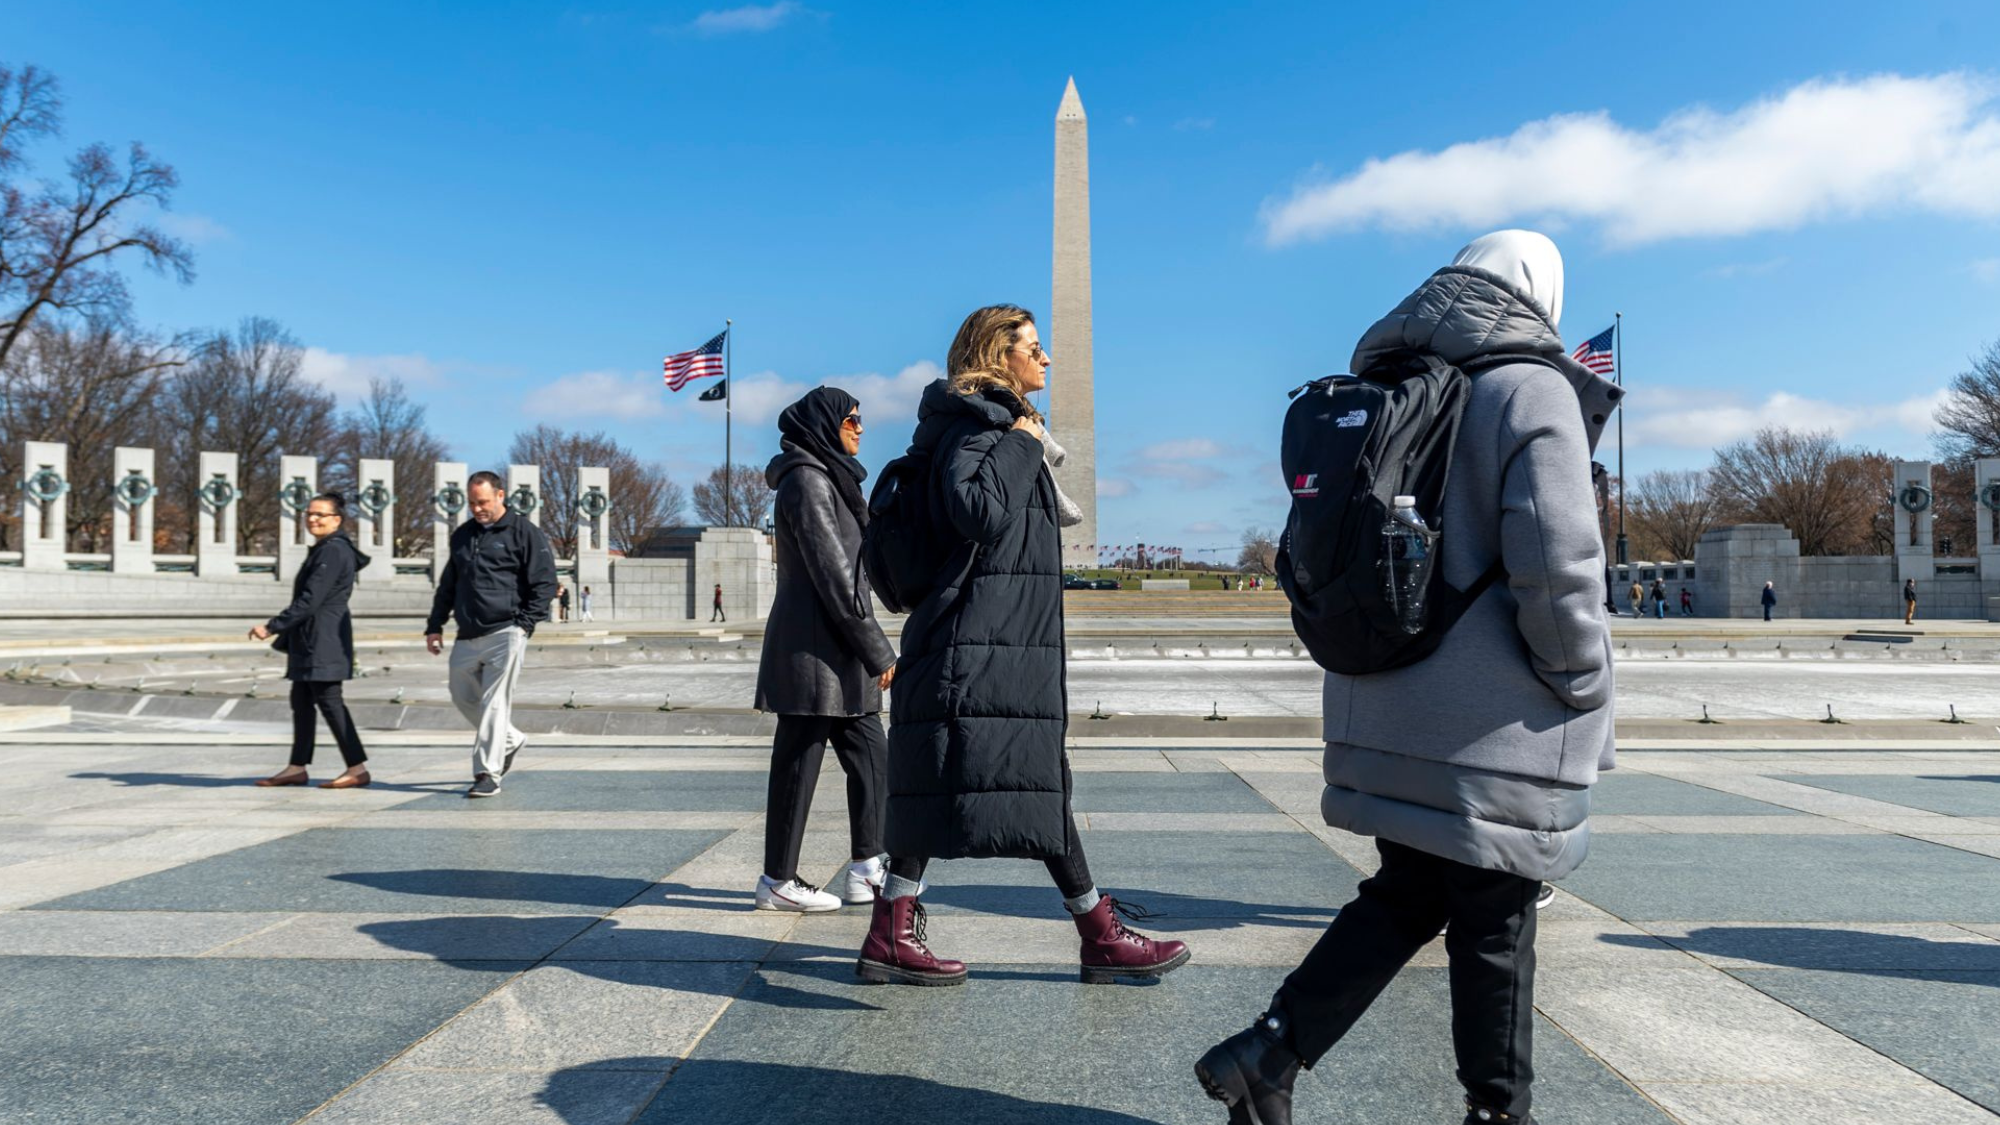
(583,605)
(1770,599)
(718,615)
(499,584)
(316,634)
(826,661)
(1687,603)
(562,603)
(1909,600)
(1659,598)
(1636,598)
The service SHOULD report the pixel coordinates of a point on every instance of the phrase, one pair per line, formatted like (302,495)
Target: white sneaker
(862,881)
(793,895)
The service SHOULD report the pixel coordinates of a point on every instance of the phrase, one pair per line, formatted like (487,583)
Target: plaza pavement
(1759,936)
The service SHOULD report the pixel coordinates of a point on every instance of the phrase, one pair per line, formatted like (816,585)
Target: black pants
(1071,872)
(323,695)
(1491,944)
(718,615)
(796,754)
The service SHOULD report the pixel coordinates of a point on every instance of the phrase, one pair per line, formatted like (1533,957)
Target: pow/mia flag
(716,393)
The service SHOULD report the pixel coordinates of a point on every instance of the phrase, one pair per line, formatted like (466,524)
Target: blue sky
(519,208)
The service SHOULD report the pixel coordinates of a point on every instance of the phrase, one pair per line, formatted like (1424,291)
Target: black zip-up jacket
(499,574)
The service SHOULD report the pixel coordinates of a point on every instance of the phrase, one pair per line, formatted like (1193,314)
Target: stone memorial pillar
(215,521)
(448,510)
(1986,519)
(524,491)
(1914,512)
(44,505)
(298,483)
(375,519)
(593,532)
(132,490)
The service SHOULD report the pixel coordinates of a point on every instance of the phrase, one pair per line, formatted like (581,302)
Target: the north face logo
(1305,484)
(1352,418)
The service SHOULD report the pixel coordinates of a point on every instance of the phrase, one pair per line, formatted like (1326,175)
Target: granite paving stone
(1765,1103)
(1960,792)
(441,937)
(586,1014)
(387,870)
(596,1096)
(655,790)
(1639,794)
(908,1053)
(1938,1022)
(1749,878)
(1190,792)
(198,1042)
(1848,946)
(145,933)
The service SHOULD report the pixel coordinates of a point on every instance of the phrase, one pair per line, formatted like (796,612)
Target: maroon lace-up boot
(1110,951)
(894,951)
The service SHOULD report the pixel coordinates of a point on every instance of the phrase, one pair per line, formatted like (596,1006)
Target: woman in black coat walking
(316,634)
(977,765)
(825,662)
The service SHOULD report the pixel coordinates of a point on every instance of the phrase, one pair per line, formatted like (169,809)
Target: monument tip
(1071,108)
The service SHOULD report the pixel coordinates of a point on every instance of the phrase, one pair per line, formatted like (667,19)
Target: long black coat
(318,631)
(980,704)
(823,649)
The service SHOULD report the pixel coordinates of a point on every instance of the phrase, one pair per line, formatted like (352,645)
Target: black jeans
(323,695)
(1491,944)
(1071,872)
(796,754)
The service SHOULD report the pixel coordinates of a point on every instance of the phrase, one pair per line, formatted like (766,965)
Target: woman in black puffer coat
(977,766)
(318,642)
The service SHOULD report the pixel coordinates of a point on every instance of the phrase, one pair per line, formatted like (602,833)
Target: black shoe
(1252,1073)
(485,785)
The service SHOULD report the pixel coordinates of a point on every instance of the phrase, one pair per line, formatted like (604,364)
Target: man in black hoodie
(498,584)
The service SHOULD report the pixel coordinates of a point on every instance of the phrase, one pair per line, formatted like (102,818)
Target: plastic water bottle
(1406,562)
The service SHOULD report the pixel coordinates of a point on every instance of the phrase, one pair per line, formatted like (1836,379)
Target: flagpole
(729,453)
(1618,376)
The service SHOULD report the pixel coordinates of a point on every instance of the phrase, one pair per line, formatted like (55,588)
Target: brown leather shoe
(280,780)
(345,781)
(1112,952)
(894,951)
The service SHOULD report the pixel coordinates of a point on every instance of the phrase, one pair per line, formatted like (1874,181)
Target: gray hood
(1464,313)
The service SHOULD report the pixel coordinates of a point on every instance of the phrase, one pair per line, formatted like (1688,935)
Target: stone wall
(1733,563)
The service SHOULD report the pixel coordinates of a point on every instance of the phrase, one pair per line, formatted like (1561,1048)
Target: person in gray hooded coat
(826,661)
(1471,768)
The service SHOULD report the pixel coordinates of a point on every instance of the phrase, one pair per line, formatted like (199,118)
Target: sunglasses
(852,421)
(1035,352)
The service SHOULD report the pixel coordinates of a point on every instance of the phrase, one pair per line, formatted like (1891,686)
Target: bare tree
(736,498)
(94,388)
(1806,481)
(59,239)
(643,496)
(1969,417)
(1671,510)
(243,393)
(390,426)
(1260,551)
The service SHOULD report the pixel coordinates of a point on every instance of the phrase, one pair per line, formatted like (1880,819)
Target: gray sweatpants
(483,671)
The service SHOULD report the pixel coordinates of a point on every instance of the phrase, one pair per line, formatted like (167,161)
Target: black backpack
(1352,443)
(902,551)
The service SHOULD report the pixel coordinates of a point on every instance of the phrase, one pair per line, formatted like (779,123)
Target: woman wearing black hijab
(825,662)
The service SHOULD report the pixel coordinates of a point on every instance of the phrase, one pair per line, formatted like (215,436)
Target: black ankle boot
(1252,1073)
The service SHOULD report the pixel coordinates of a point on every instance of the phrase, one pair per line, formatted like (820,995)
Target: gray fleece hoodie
(1484,753)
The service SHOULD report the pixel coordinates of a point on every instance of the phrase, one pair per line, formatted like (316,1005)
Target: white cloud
(598,394)
(1825,149)
(1206,527)
(1681,419)
(750,18)
(1194,124)
(1985,270)
(1749,269)
(1112,488)
(196,230)
(758,399)
(1188,474)
(1181,449)
(348,376)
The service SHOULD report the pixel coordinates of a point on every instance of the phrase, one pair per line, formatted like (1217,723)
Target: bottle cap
(1406,501)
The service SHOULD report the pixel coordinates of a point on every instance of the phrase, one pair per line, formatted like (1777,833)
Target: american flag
(704,362)
(1595,353)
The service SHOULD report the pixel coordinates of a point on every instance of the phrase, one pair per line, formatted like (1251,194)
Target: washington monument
(1073,414)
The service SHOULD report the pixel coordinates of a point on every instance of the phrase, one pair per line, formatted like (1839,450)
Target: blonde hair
(978,357)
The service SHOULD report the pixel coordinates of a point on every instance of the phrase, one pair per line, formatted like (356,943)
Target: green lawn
(1129,579)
